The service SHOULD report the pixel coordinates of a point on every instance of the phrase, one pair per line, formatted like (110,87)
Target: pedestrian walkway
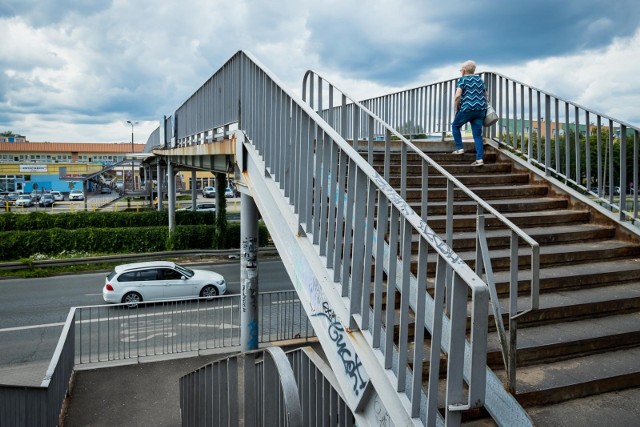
(142,394)
(28,374)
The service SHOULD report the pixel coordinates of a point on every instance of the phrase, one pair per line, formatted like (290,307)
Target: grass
(29,273)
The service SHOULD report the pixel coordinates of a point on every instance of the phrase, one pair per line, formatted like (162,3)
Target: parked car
(201,207)
(228,192)
(35,196)
(76,195)
(11,198)
(105,189)
(57,196)
(24,200)
(159,280)
(46,200)
(209,192)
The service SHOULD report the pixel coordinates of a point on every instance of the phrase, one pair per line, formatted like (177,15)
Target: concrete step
(501,238)
(577,377)
(439,157)
(568,338)
(585,337)
(521,219)
(560,254)
(470,181)
(493,192)
(455,169)
(563,277)
(503,206)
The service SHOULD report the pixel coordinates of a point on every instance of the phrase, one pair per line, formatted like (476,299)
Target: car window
(139,276)
(147,275)
(128,277)
(184,271)
(110,276)
(169,274)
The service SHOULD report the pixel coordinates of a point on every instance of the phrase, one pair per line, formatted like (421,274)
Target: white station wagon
(159,280)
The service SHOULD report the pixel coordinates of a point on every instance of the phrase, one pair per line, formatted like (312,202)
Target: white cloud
(601,80)
(77,74)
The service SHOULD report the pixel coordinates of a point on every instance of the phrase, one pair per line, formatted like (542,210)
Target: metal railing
(365,124)
(544,129)
(552,133)
(302,165)
(41,406)
(116,332)
(313,166)
(119,333)
(267,387)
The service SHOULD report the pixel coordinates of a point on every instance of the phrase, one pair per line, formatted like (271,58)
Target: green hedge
(23,244)
(10,221)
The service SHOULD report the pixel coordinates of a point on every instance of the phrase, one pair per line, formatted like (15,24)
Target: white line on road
(22,328)
(105,319)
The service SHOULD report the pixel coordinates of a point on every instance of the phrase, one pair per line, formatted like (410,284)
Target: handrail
(313,139)
(599,174)
(288,146)
(365,116)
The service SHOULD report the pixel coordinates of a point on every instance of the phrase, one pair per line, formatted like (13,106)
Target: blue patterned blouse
(472,98)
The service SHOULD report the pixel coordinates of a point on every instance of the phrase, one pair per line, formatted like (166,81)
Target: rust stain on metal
(224,147)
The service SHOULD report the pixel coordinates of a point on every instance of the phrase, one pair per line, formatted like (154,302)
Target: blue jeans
(476,118)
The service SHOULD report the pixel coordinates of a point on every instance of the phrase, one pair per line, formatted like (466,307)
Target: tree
(7,133)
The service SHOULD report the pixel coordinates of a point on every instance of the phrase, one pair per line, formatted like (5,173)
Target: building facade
(23,164)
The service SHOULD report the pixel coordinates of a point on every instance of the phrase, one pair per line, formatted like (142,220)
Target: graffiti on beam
(350,360)
(440,245)
(253,334)
(382,416)
(249,274)
(249,251)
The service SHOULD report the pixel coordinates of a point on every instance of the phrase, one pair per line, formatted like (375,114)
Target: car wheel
(132,298)
(209,291)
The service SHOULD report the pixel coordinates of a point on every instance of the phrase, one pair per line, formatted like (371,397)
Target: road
(96,201)
(32,311)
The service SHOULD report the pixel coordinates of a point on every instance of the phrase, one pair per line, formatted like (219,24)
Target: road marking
(22,328)
(115,317)
(220,326)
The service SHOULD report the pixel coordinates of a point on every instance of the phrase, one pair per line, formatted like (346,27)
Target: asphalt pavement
(143,394)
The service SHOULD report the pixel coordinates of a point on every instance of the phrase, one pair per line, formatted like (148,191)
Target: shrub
(23,244)
(75,220)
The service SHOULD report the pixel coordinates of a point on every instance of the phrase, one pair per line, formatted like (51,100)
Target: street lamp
(133,180)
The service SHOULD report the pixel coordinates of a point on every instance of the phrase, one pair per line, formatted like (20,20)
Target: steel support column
(194,190)
(171,193)
(84,194)
(149,186)
(159,185)
(219,177)
(248,274)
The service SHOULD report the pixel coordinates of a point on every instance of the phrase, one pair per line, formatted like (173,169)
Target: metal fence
(587,150)
(41,406)
(330,186)
(108,333)
(265,388)
(594,153)
(116,332)
(292,155)
(361,125)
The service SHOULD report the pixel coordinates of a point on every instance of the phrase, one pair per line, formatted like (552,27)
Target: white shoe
(460,151)
(478,163)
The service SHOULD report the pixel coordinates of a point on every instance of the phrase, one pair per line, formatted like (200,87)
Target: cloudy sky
(77,70)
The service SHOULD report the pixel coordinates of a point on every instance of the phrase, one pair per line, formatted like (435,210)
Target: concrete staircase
(585,338)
